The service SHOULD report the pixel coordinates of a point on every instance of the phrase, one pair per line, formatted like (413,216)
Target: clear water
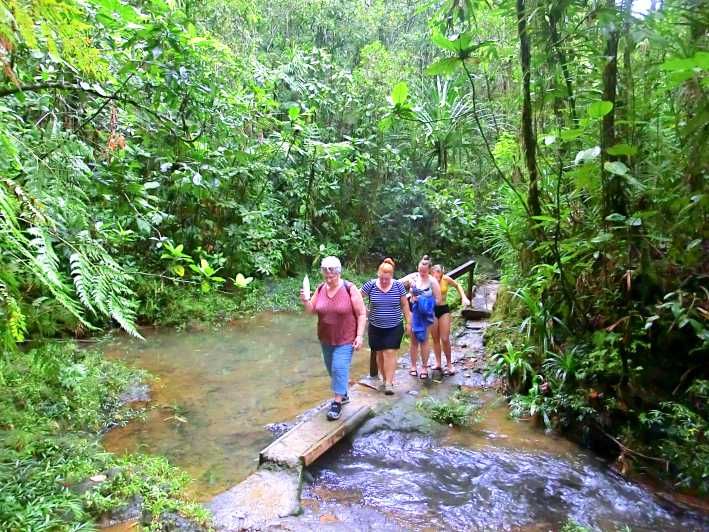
(217,389)
(499,475)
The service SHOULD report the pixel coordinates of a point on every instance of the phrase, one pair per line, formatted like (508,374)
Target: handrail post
(471,283)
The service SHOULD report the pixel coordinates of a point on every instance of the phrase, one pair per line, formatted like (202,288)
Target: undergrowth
(55,401)
(459,409)
(168,304)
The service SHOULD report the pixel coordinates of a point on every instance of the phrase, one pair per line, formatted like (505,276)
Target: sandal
(423,375)
(413,372)
(437,369)
(448,372)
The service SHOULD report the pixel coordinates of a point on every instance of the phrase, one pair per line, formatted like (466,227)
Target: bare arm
(436,289)
(361,312)
(407,313)
(463,298)
(407,278)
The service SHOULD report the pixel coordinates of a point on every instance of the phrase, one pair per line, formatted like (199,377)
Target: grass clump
(460,409)
(55,401)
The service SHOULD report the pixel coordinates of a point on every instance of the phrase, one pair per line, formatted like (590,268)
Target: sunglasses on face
(330,269)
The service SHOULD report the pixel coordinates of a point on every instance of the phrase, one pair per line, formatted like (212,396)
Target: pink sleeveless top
(337,324)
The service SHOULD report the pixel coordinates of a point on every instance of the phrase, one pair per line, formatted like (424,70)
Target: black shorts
(440,310)
(381,338)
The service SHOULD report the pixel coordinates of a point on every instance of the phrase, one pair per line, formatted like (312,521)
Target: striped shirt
(384,307)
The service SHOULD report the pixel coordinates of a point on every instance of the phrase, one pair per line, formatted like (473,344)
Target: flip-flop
(423,375)
(413,372)
(447,372)
(437,369)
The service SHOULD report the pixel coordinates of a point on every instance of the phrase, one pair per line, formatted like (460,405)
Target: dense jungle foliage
(156,156)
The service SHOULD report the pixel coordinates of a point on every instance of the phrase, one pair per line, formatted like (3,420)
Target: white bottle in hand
(306,287)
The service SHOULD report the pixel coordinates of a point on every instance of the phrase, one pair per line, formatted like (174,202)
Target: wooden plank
(311,438)
(462,269)
(329,440)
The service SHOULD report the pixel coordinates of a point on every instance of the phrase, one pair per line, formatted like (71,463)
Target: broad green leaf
(699,61)
(615,217)
(460,42)
(615,167)
(622,149)
(599,109)
(443,67)
(151,185)
(400,93)
(293,113)
(204,264)
(179,269)
(570,134)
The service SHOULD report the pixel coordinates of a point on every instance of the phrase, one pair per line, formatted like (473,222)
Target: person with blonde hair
(341,320)
(387,308)
(425,294)
(441,328)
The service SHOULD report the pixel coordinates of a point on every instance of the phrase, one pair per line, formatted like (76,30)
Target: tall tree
(528,136)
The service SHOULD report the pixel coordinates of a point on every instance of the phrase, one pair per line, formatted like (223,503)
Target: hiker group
(414,305)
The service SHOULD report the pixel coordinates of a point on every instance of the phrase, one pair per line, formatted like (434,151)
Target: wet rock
(174,522)
(278,429)
(131,511)
(136,393)
(263,497)
(95,480)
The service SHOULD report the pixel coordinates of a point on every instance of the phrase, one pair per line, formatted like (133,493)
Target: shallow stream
(218,388)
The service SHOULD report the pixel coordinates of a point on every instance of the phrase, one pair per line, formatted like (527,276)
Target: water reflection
(217,390)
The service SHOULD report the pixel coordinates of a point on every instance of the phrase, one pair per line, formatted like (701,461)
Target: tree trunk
(554,16)
(530,143)
(614,199)
(696,102)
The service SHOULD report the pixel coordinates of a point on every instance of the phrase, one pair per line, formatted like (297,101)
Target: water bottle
(306,287)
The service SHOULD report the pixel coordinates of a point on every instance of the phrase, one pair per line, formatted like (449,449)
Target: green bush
(460,409)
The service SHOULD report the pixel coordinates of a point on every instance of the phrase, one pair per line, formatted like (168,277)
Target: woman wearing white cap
(342,317)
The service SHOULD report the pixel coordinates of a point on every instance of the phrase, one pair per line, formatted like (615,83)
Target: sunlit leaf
(443,67)
(400,93)
(599,109)
(622,149)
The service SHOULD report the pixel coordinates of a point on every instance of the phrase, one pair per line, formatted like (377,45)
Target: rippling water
(420,479)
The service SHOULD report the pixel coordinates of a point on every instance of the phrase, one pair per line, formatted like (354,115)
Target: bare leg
(444,330)
(436,337)
(425,351)
(389,366)
(415,352)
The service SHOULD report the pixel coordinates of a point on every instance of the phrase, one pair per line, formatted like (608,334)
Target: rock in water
(260,499)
